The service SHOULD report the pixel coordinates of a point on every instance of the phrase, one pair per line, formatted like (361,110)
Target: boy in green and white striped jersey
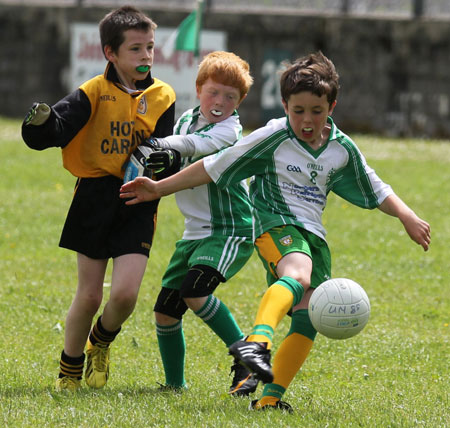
(295,162)
(217,240)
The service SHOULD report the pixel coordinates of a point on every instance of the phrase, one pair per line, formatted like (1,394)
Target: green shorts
(225,254)
(279,241)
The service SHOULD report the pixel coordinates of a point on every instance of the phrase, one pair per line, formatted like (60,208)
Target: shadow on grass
(129,391)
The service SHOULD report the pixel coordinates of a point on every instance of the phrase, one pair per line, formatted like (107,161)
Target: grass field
(394,374)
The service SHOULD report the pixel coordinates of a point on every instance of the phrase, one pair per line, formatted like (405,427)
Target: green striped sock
(219,318)
(173,349)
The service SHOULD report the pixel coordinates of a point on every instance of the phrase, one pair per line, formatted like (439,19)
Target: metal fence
(435,9)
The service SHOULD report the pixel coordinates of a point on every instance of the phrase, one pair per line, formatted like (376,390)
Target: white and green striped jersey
(208,209)
(291,181)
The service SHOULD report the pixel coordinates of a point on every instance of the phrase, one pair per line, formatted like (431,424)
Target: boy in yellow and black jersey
(98,127)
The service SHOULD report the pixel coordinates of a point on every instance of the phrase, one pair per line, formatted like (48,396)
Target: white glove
(38,114)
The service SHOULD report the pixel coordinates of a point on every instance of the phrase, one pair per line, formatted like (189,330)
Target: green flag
(187,36)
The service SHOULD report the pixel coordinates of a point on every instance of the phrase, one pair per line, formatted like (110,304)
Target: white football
(339,308)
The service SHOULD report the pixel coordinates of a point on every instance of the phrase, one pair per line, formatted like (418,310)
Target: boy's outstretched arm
(143,189)
(418,230)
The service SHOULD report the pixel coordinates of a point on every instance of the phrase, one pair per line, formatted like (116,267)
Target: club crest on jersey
(142,107)
(286,240)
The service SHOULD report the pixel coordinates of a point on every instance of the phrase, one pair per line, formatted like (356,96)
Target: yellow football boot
(97,365)
(67,383)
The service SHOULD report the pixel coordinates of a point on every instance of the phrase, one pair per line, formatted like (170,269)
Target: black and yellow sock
(172,347)
(219,318)
(100,335)
(71,366)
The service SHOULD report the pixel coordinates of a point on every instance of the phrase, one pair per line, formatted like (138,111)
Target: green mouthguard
(143,68)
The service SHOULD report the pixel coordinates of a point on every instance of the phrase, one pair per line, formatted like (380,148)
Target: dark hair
(115,23)
(313,73)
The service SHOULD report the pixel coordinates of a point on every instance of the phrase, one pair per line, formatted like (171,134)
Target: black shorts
(100,225)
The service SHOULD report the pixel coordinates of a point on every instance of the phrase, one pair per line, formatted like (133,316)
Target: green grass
(394,374)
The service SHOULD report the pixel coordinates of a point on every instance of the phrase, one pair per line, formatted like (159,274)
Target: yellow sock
(287,362)
(289,358)
(275,304)
(263,401)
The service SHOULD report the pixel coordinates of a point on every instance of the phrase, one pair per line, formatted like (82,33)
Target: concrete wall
(394,73)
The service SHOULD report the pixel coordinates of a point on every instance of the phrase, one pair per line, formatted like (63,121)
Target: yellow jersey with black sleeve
(100,124)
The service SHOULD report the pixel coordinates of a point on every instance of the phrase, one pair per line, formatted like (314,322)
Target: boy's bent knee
(124,300)
(90,304)
(200,281)
(170,303)
(166,320)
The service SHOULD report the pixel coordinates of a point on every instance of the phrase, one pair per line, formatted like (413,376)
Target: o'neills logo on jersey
(286,240)
(142,107)
(315,167)
(107,98)
(210,258)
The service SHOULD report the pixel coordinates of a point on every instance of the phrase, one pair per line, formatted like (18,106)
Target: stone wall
(394,73)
